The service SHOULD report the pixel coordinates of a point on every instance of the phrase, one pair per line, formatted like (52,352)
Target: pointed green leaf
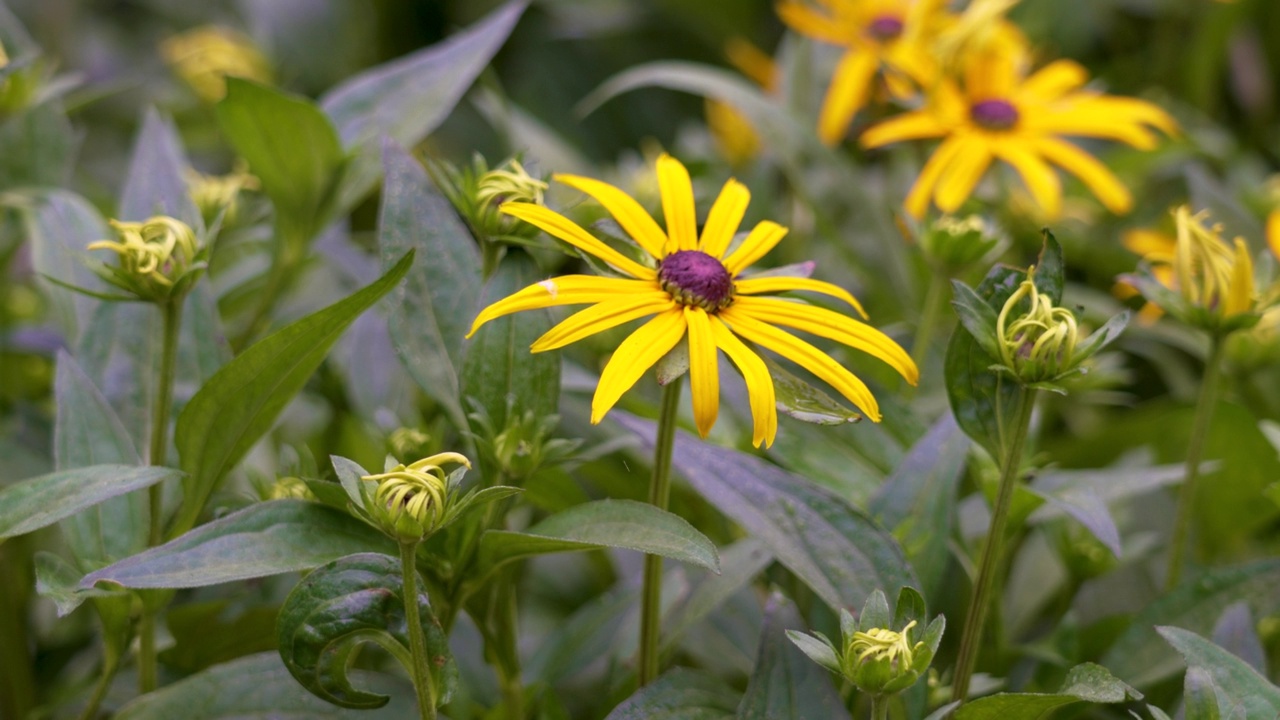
(259,686)
(155,184)
(836,550)
(805,402)
(432,311)
(977,316)
(1085,683)
(265,539)
(785,682)
(625,524)
(350,601)
(38,147)
(241,401)
(60,225)
(36,502)
(409,97)
(1233,677)
(293,150)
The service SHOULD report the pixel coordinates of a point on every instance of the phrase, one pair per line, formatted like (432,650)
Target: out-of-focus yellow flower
(981,27)
(1156,248)
(206,56)
(1000,111)
(885,38)
(290,488)
(696,292)
(733,133)
(213,194)
(4,57)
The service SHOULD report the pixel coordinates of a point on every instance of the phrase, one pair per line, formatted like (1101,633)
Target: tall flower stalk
(1195,453)
(660,497)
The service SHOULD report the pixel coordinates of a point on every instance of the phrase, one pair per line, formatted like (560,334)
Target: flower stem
(879,707)
(659,496)
(171,319)
(422,680)
(933,305)
(99,691)
(1195,452)
(991,560)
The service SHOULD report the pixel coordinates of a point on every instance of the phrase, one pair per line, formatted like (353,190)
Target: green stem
(1195,453)
(17,680)
(422,680)
(659,496)
(99,691)
(933,304)
(171,318)
(880,707)
(971,640)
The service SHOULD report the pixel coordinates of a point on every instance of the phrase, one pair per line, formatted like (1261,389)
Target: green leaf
(350,601)
(292,149)
(785,682)
(1236,632)
(1200,695)
(240,403)
(625,524)
(155,184)
(40,501)
(214,631)
(1195,605)
(58,581)
(1085,683)
(265,539)
(37,148)
(259,686)
(87,432)
(59,226)
(816,649)
(680,694)
(431,313)
(918,500)
(409,97)
(500,372)
(1235,680)
(836,550)
(805,402)
(587,634)
(739,565)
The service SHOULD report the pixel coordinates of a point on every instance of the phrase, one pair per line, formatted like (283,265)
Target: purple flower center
(885,28)
(693,277)
(994,114)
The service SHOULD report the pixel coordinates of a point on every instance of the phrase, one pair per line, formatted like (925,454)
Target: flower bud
(523,445)
(953,243)
(157,260)
(206,56)
(1039,343)
(213,194)
(477,191)
(290,488)
(411,502)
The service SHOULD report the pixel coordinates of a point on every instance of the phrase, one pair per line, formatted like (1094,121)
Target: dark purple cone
(994,114)
(885,27)
(695,278)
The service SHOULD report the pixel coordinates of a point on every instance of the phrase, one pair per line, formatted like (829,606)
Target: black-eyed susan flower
(694,288)
(997,111)
(881,38)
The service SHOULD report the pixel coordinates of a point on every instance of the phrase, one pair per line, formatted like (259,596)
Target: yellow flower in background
(881,38)
(213,194)
(1000,112)
(1209,272)
(696,291)
(206,56)
(733,133)
(4,57)
(1157,249)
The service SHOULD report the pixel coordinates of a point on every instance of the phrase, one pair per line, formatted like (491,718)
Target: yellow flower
(1208,272)
(4,57)
(696,291)
(1157,249)
(213,194)
(206,56)
(888,35)
(999,112)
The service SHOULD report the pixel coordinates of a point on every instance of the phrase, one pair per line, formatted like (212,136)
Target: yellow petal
(1150,244)
(1054,80)
(630,215)
(962,175)
(634,356)
(917,201)
(1039,178)
(677,205)
(567,230)
(1273,233)
(807,21)
(847,93)
(564,290)
(763,237)
(704,375)
(830,325)
(908,126)
(806,356)
(764,405)
(724,218)
(601,317)
(772,284)
(1240,292)
(1100,181)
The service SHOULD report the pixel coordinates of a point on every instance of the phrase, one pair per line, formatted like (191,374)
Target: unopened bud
(1039,343)
(410,502)
(157,259)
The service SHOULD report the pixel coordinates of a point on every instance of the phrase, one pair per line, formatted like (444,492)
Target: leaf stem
(99,691)
(660,497)
(1195,453)
(991,560)
(422,680)
(171,321)
(880,707)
